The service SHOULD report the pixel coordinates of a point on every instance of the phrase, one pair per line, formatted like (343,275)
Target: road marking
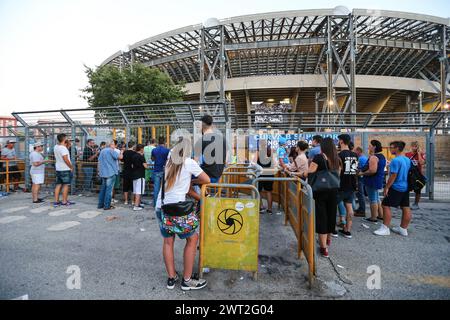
(62,212)
(441,281)
(88,214)
(11,210)
(24,297)
(63,225)
(40,209)
(9,219)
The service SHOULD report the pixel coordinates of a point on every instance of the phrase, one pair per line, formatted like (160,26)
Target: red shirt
(415,159)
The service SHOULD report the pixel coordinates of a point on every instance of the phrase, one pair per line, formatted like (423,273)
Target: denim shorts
(167,234)
(373,194)
(346,196)
(63,177)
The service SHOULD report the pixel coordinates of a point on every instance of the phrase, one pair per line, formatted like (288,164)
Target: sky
(44,44)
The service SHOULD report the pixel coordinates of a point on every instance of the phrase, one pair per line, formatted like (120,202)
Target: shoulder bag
(324,180)
(180,217)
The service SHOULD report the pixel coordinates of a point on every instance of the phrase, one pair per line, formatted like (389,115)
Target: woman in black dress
(325,201)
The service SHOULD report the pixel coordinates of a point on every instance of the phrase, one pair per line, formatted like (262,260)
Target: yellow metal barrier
(297,201)
(237,178)
(139,135)
(5,175)
(308,229)
(229,230)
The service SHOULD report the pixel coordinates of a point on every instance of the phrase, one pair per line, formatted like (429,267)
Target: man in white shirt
(37,171)
(9,153)
(64,169)
(118,178)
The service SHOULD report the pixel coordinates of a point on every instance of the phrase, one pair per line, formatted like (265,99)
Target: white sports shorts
(139,186)
(38,178)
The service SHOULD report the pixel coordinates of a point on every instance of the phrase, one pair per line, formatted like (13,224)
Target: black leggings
(326,207)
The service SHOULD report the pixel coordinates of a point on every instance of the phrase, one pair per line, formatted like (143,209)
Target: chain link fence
(141,124)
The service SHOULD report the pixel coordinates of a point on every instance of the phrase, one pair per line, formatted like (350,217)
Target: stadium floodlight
(341,11)
(211,22)
(126,49)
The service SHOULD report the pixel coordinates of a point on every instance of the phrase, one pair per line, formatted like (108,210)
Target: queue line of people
(359,176)
(176,180)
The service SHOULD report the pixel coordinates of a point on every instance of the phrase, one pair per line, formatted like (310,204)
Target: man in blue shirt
(315,150)
(283,158)
(362,162)
(396,191)
(107,170)
(159,158)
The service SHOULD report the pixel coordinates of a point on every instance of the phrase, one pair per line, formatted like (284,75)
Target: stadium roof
(388,43)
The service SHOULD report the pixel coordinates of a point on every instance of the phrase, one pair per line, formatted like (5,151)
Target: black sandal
(370,220)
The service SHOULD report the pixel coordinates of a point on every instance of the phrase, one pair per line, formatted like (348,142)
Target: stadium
(309,61)
(315,120)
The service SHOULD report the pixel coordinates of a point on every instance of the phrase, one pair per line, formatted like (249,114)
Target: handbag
(324,180)
(180,217)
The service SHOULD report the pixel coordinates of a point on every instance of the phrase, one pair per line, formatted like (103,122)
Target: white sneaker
(114,200)
(382,231)
(399,230)
(137,208)
(125,203)
(415,207)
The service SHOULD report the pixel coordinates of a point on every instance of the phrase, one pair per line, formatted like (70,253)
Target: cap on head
(282,141)
(10,141)
(38,144)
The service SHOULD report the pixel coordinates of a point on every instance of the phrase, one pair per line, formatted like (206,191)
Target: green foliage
(110,86)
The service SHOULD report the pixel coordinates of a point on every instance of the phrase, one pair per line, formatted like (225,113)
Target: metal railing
(11,174)
(295,196)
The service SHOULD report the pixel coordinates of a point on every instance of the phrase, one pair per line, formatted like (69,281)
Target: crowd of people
(357,176)
(177,173)
(173,173)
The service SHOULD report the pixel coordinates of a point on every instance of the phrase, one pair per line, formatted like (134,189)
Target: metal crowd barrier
(6,174)
(229,230)
(237,178)
(83,180)
(238,167)
(296,198)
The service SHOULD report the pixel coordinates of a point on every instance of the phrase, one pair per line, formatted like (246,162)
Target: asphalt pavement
(118,255)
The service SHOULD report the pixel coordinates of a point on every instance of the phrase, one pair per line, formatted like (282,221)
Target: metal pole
(73,160)
(443,69)
(430,149)
(27,159)
(408,108)
(365,141)
(202,66)
(352,70)
(127,134)
(316,103)
(46,146)
(329,69)
(421,108)
(222,64)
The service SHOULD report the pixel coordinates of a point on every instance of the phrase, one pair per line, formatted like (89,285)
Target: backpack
(416,180)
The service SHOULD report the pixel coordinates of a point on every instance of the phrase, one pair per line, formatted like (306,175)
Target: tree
(133,85)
